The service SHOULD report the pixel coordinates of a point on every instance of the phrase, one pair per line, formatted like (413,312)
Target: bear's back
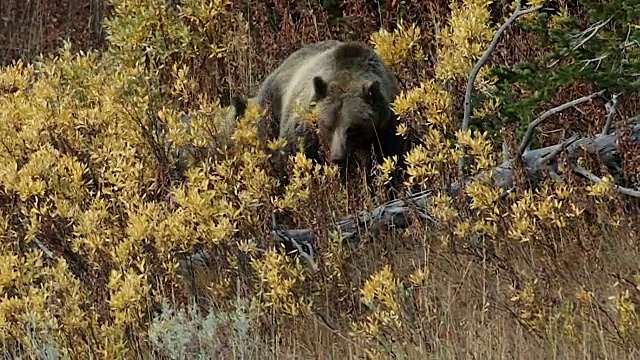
(277,83)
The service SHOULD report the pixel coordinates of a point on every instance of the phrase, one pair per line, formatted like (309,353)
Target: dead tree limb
(611,108)
(534,124)
(485,57)
(596,179)
(483,60)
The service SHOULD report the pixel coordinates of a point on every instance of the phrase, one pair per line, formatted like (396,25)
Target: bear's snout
(338,148)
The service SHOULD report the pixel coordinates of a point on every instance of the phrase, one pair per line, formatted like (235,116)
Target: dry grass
(481,298)
(29,28)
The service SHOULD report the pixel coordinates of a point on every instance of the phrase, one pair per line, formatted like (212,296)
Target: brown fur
(348,87)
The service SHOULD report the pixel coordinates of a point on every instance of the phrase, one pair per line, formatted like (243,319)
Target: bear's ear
(239,103)
(320,88)
(373,94)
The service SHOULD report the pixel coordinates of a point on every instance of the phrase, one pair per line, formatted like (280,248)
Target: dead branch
(596,179)
(611,111)
(532,126)
(391,214)
(480,63)
(485,57)
(552,155)
(593,29)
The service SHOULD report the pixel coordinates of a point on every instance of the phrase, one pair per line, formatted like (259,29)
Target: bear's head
(353,115)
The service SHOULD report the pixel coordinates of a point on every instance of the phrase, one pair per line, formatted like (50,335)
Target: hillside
(127,233)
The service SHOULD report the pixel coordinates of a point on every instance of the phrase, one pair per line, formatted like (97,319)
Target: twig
(589,61)
(611,110)
(307,255)
(505,152)
(48,253)
(483,59)
(595,179)
(626,43)
(532,126)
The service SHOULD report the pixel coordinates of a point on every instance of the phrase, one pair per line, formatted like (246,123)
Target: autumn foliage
(108,201)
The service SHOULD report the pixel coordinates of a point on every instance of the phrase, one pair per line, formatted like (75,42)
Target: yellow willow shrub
(178,44)
(82,153)
(464,40)
(53,310)
(424,113)
(279,284)
(307,179)
(481,150)
(128,293)
(70,158)
(386,299)
(548,207)
(396,47)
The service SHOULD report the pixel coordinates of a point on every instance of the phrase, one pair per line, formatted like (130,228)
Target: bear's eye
(371,98)
(352,132)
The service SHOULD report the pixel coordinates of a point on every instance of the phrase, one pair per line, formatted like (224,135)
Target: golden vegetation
(96,218)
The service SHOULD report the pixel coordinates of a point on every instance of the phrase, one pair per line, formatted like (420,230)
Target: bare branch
(611,110)
(48,253)
(594,30)
(554,153)
(599,59)
(595,179)
(505,152)
(532,126)
(483,59)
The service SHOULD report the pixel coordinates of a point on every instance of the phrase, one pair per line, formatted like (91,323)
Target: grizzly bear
(350,90)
